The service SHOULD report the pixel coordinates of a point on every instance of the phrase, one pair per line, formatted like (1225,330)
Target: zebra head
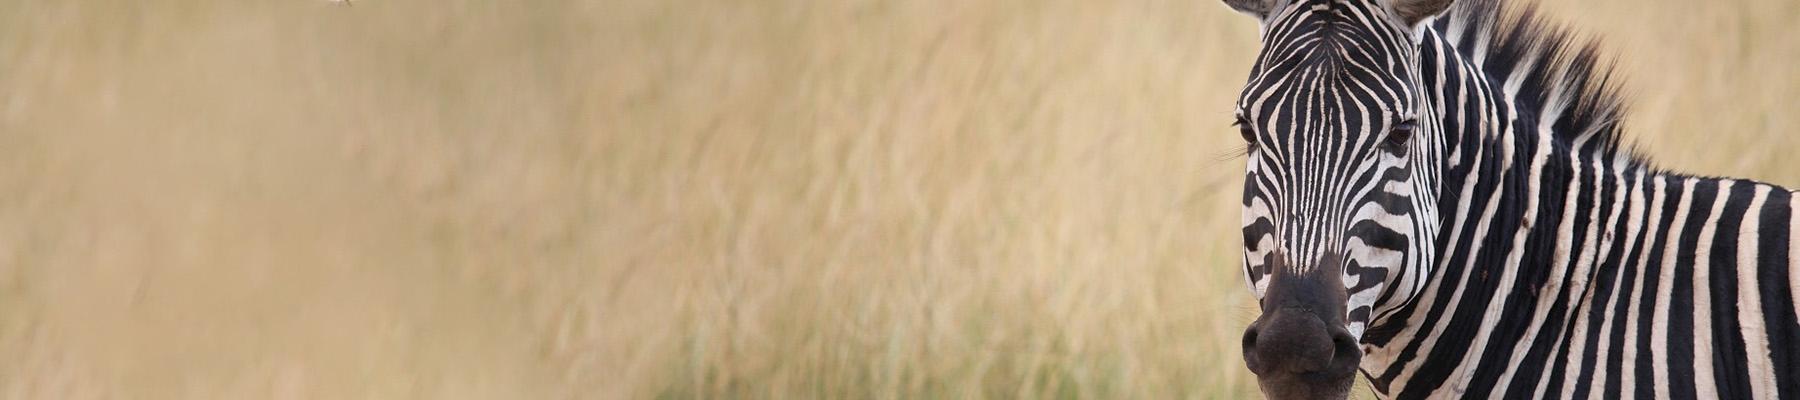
(1338,211)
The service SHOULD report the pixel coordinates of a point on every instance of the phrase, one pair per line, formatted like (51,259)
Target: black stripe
(1538,360)
(1615,359)
(1772,271)
(1730,367)
(1518,311)
(1456,340)
(1607,272)
(1646,378)
(1681,306)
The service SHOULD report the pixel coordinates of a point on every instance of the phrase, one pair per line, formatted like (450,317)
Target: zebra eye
(1247,130)
(1400,135)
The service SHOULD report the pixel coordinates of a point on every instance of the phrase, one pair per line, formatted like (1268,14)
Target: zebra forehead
(1340,14)
(1350,66)
(1326,31)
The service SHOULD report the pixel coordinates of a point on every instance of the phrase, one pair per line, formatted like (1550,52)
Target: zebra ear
(1414,11)
(1256,8)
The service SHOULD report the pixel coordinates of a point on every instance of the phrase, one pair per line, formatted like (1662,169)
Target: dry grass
(682,199)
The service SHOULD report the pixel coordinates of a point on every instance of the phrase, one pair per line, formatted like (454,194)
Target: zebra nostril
(1250,359)
(1342,340)
(1345,352)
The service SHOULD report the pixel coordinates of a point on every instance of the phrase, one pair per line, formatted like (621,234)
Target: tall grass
(684,199)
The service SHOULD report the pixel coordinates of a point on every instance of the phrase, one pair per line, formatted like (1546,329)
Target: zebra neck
(1554,262)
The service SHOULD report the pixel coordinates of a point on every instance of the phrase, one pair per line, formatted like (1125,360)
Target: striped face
(1329,119)
(1331,226)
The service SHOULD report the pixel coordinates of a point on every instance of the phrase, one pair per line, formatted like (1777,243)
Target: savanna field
(783,199)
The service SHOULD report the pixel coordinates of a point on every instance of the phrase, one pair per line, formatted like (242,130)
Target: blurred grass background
(685,199)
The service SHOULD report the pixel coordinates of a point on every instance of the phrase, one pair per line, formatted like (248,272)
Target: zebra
(1440,196)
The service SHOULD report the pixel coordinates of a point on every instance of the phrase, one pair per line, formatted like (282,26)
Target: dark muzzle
(1299,348)
(1295,341)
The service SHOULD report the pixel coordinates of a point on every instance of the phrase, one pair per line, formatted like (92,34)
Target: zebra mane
(1563,78)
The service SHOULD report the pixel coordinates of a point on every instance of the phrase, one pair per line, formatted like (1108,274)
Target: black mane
(1561,67)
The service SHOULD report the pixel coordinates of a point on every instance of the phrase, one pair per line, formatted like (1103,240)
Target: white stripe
(1462,98)
(1602,251)
(1510,274)
(1628,200)
(1750,315)
(1659,338)
(1704,385)
(1551,291)
(1416,321)
(1794,250)
(1628,362)
(1265,244)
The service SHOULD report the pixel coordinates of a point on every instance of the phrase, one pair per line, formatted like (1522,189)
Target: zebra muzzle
(1299,347)
(1297,342)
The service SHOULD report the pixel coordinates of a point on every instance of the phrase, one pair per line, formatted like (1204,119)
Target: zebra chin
(1300,348)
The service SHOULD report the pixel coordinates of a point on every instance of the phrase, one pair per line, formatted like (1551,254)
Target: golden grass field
(776,199)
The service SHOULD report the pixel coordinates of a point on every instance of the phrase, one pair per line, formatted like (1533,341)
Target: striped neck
(1557,254)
